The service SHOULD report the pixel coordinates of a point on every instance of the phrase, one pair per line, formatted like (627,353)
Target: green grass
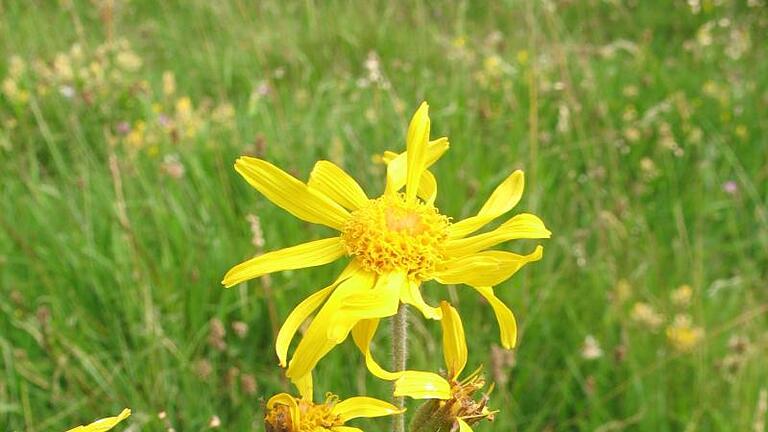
(628,117)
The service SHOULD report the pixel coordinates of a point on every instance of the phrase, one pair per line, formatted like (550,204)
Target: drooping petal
(359,297)
(104,424)
(362,334)
(428,187)
(522,226)
(362,406)
(308,254)
(503,199)
(382,301)
(505,317)
(476,269)
(410,293)
(466,270)
(334,182)
(416,145)
(422,385)
(463,426)
(300,313)
(306,387)
(290,193)
(454,341)
(397,163)
(290,402)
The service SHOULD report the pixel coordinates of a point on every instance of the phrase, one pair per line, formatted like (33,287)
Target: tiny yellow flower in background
(394,243)
(645,314)
(682,335)
(286,413)
(104,424)
(682,296)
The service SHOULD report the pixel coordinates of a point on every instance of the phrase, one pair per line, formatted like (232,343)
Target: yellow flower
(104,424)
(394,242)
(682,335)
(286,413)
(454,403)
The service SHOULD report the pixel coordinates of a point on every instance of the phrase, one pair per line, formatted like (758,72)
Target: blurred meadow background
(641,126)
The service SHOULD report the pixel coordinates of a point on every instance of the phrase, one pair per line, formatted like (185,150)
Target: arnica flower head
(393,242)
(286,413)
(104,424)
(453,403)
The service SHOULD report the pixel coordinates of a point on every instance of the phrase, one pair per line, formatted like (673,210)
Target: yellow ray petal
(335,183)
(397,163)
(428,187)
(104,424)
(410,293)
(361,406)
(454,342)
(505,317)
(422,385)
(362,334)
(522,226)
(300,313)
(291,194)
(470,269)
(306,387)
(382,301)
(477,270)
(315,344)
(463,426)
(345,429)
(290,402)
(503,199)
(416,145)
(308,254)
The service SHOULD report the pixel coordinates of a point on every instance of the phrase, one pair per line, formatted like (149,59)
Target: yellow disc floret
(389,235)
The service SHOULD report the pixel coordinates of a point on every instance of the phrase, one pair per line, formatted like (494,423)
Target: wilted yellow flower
(682,335)
(104,424)
(395,242)
(455,405)
(286,413)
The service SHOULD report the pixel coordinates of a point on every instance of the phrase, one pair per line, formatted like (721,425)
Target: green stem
(399,357)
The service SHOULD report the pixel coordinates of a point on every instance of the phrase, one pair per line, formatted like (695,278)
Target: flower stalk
(399,359)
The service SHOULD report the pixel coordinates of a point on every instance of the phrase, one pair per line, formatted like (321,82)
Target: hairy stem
(399,357)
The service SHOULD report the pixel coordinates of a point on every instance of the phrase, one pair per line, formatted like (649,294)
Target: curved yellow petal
(410,293)
(345,429)
(290,402)
(315,344)
(416,146)
(290,193)
(422,385)
(308,254)
(428,187)
(362,334)
(454,341)
(334,182)
(362,406)
(522,226)
(470,269)
(306,387)
(477,269)
(298,315)
(463,426)
(104,424)
(503,199)
(505,317)
(397,163)
(382,301)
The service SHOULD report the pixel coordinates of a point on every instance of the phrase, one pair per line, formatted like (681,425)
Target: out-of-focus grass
(641,127)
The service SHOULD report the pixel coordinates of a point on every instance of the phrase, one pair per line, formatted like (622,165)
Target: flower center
(313,417)
(389,235)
